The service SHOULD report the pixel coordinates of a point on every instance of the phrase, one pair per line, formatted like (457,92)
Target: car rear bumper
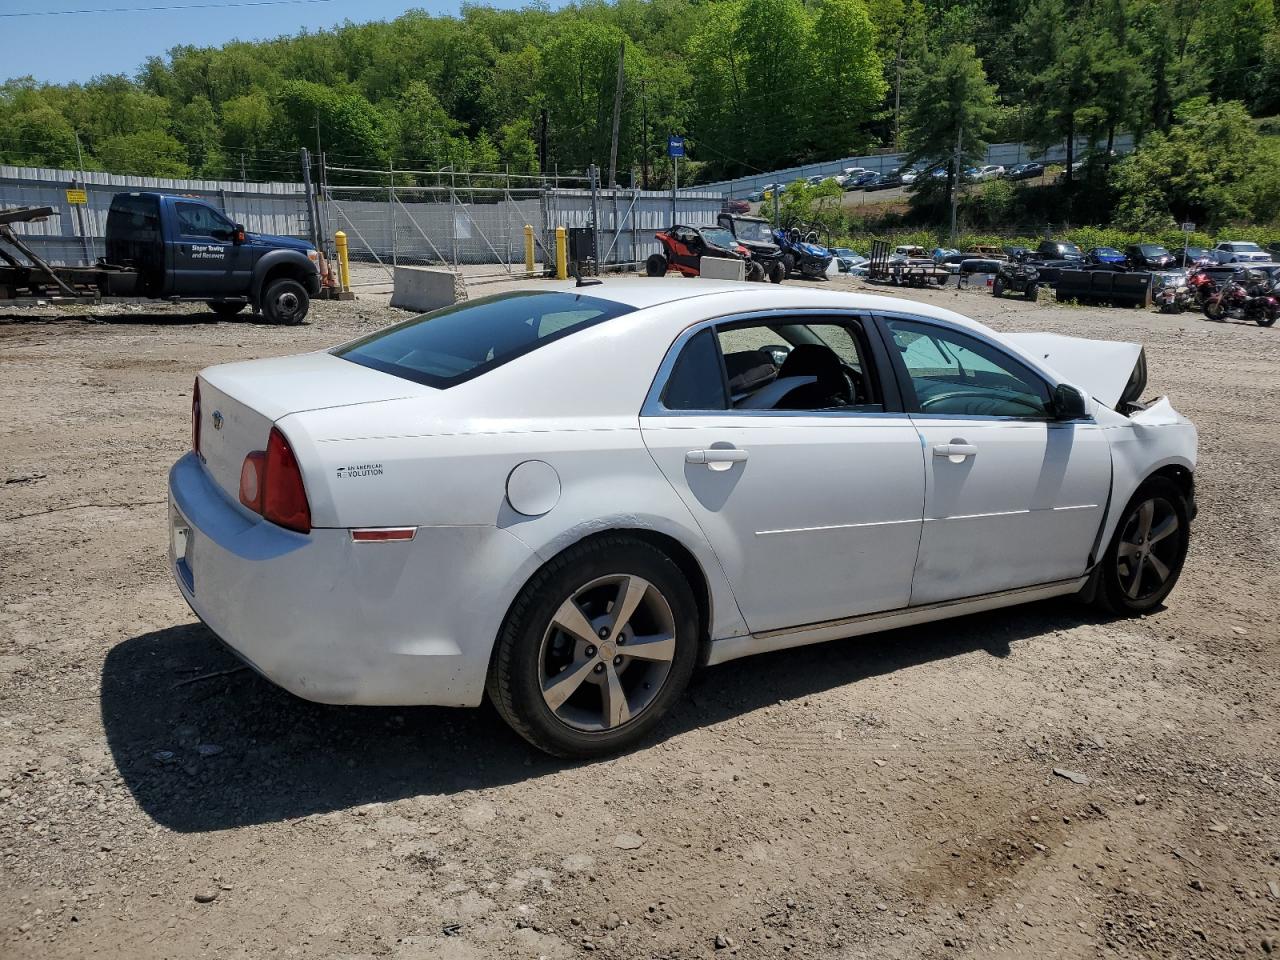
(335,621)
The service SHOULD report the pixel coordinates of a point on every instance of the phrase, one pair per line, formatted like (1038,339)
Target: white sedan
(567,498)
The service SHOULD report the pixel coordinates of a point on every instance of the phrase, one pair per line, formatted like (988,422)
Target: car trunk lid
(239,402)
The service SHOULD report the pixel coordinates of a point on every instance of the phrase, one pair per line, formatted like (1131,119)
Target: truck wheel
(997,287)
(656,265)
(285,301)
(225,311)
(777,272)
(1032,291)
(788,265)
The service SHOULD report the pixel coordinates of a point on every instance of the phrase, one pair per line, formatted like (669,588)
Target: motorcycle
(1249,298)
(1175,298)
(1201,286)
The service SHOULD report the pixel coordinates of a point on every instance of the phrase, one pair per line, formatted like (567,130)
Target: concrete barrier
(426,288)
(722,268)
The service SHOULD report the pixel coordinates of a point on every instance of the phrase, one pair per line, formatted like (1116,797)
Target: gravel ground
(891,796)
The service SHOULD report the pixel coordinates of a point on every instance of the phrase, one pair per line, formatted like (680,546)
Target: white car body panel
(415,621)
(1100,367)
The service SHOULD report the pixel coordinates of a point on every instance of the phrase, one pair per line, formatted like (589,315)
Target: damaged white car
(568,498)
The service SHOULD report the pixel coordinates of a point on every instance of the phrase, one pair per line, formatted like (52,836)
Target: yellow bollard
(344,271)
(528,248)
(562,254)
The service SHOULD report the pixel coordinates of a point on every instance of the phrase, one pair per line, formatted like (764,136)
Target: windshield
(718,236)
(1244,247)
(457,343)
(756,231)
(1153,250)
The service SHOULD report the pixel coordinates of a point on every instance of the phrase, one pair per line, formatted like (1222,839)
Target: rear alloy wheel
(285,301)
(1147,552)
(656,265)
(596,648)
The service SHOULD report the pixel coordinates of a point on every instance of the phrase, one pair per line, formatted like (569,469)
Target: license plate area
(180,539)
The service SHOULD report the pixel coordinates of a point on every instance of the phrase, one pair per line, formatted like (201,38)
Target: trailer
(884,268)
(26,278)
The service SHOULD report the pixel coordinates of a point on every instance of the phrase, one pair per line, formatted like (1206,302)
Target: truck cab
(184,248)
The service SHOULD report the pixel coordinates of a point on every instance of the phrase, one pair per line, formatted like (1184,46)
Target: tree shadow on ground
(233,750)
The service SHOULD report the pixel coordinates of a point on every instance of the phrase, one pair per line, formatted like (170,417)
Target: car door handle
(957,449)
(716,456)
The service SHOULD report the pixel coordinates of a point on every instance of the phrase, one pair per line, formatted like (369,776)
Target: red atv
(684,247)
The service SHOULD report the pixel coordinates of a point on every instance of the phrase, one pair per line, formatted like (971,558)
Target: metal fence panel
(73,238)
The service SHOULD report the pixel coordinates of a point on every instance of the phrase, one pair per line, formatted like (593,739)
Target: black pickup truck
(175,248)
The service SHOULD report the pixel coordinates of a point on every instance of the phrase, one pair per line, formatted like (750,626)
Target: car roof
(733,296)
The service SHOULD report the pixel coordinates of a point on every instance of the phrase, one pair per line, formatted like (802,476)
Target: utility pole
(242,175)
(955,185)
(542,143)
(593,173)
(617,117)
(317,132)
(644,139)
(84,238)
(897,100)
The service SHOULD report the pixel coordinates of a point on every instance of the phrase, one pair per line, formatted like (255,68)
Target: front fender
(276,258)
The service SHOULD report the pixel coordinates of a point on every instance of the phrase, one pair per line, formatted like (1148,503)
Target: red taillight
(195,416)
(271,484)
(284,498)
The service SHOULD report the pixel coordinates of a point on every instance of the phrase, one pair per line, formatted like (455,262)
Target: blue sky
(78,46)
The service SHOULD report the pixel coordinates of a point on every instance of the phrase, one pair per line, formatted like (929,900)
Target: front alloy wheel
(1148,549)
(596,648)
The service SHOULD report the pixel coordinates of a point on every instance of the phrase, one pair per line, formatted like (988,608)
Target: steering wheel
(925,405)
(854,380)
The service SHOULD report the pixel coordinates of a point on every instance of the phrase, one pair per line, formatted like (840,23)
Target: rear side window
(696,381)
(458,343)
(135,216)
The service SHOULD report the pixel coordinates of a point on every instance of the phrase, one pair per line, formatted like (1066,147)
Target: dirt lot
(891,796)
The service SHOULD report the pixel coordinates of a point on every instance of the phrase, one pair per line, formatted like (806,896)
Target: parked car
(883,181)
(755,196)
(816,179)
(1241,251)
(848,259)
(848,172)
(991,171)
(1024,171)
(910,175)
(988,251)
(1104,255)
(860,181)
(941,253)
(1187,257)
(1058,250)
(734,205)
(574,536)
(1148,256)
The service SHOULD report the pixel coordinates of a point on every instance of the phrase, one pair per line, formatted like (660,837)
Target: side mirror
(237,235)
(1069,403)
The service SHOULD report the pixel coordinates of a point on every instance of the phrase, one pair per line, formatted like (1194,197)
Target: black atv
(755,234)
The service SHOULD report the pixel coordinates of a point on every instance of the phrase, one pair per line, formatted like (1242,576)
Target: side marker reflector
(382,534)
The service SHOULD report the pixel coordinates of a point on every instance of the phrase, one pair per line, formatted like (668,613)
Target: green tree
(844,57)
(951,117)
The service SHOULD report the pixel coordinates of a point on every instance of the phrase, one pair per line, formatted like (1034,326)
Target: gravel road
(892,796)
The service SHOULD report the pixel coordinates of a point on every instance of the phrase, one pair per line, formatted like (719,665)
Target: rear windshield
(457,343)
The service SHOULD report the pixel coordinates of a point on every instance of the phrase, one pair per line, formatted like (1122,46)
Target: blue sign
(675,146)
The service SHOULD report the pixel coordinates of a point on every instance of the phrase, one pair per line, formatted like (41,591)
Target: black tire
(226,311)
(1214,311)
(777,272)
(788,265)
(1266,319)
(1116,589)
(286,302)
(656,265)
(528,639)
(755,272)
(1030,293)
(997,287)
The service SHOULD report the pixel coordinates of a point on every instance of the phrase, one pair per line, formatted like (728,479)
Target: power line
(186,6)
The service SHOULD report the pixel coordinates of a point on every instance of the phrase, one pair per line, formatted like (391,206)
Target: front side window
(788,364)
(460,342)
(958,375)
(197,220)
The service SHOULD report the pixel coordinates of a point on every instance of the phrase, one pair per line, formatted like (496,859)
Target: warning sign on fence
(77,196)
